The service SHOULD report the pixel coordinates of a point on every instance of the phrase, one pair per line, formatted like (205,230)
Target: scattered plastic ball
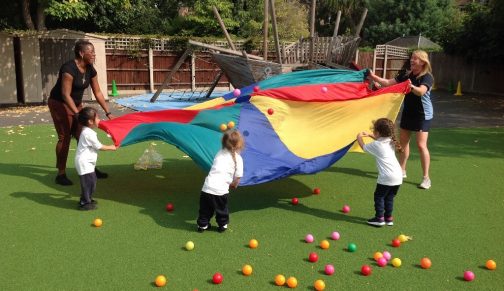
(309,238)
(387,255)
(223,127)
(279,280)
(97,222)
(335,235)
(271,111)
(247,270)
(491,265)
(189,246)
(402,238)
(319,285)
(231,125)
(217,278)
(323,89)
(324,244)
(316,191)
(160,281)
(396,243)
(352,247)
(366,270)
(382,262)
(292,282)
(169,207)
(236,92)
(396,262)
(377,256)
(346,209)
(469,276)
(253,243)
(313,257)
(329,269)
(256,89)
(295,201)
(425,263)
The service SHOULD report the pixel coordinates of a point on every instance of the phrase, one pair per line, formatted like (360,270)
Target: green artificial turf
(47,244)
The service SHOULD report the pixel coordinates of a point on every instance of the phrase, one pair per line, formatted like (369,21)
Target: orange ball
(279,280)
(319,285)
(223,127)
(160,281)
(292,282)
(247,270)
(377,256)
(231,124)
(324,244)
(97,222)
(491,265)
(425,263)
(253,243)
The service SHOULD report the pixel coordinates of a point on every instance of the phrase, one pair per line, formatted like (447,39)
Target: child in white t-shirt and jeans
(226,171)
(390,175)
(86,156)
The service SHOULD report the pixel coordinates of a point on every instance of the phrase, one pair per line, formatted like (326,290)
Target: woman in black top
(65,102)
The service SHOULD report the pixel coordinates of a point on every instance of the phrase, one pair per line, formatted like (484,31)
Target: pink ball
(382,262)
(236,92)
(387,255)
(346,209)
(469,276)
(323,89)
(329,269)
(308,238)
(335,235)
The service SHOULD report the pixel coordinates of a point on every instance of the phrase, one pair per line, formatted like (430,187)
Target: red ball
(217,278)
(169,207)
(366,270)
(346,209)
(313,257)
(396,243)
(295,201)
(256,88)
(271,111)
(316,191)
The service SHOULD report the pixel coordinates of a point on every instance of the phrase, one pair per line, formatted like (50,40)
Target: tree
(351,11)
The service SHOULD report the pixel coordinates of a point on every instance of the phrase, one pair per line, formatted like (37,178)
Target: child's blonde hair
(232,140)
(385,128)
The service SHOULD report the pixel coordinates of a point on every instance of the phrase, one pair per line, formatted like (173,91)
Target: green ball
(352,247)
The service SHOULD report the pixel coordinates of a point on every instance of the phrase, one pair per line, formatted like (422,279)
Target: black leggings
(210,204)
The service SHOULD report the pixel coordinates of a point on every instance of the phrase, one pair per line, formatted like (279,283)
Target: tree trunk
(25,6)
(41,16)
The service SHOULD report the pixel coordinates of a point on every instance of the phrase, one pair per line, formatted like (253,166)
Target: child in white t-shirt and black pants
(389,171)
(86,156)
(226,171)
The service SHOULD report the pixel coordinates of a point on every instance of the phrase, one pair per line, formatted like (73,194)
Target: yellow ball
(319,285)
(292,282)
(97,222)
(253,243)
(324,244)
(247,270)
(231,124)
(402,238)
(396,262)
(223,127)
(279,280)
(189,245)
(491,265)
(160,281)
(377,256)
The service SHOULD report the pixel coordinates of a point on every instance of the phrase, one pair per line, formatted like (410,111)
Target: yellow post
(459,89)
(433,86)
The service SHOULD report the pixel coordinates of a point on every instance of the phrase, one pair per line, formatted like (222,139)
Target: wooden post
(361,22)
(374,60)
(265,30)
(275,31)
(151,70)
(193,72)
(170,75)
(223,27)
(312,30)
(219,49)
(385,62)
(336,25)
(214,83)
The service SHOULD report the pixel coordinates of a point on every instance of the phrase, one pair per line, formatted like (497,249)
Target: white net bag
(150,159)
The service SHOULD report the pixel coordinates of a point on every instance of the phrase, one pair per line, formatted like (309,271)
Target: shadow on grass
(179,182)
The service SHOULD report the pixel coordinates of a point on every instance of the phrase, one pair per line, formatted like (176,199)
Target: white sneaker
(404,174)
(426,183)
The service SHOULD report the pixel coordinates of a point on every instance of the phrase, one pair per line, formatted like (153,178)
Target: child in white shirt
(226,171)
(86,156)
(389,171)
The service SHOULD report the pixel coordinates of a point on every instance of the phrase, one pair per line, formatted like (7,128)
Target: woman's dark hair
(385,128)
(80,46)
(85,115)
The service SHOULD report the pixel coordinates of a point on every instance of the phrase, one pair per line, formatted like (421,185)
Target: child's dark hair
(85,115)
(80,46)
(232,140)
(385,128)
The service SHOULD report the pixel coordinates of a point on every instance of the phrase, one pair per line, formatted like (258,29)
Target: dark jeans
(88,187)
(384,200)
(66,126)
(213,203)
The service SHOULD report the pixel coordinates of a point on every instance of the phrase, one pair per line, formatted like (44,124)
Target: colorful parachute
(296,123)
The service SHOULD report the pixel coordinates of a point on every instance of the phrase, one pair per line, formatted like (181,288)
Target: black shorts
(416,125)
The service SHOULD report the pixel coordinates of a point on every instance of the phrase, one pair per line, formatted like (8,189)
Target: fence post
(193,72)
(151,70)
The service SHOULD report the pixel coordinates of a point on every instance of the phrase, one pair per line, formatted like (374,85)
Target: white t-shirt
(87,151)
(389,170)
(222,173)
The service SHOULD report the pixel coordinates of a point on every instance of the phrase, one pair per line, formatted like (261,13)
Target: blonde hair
(424,57)
(232,141)
(385,128)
